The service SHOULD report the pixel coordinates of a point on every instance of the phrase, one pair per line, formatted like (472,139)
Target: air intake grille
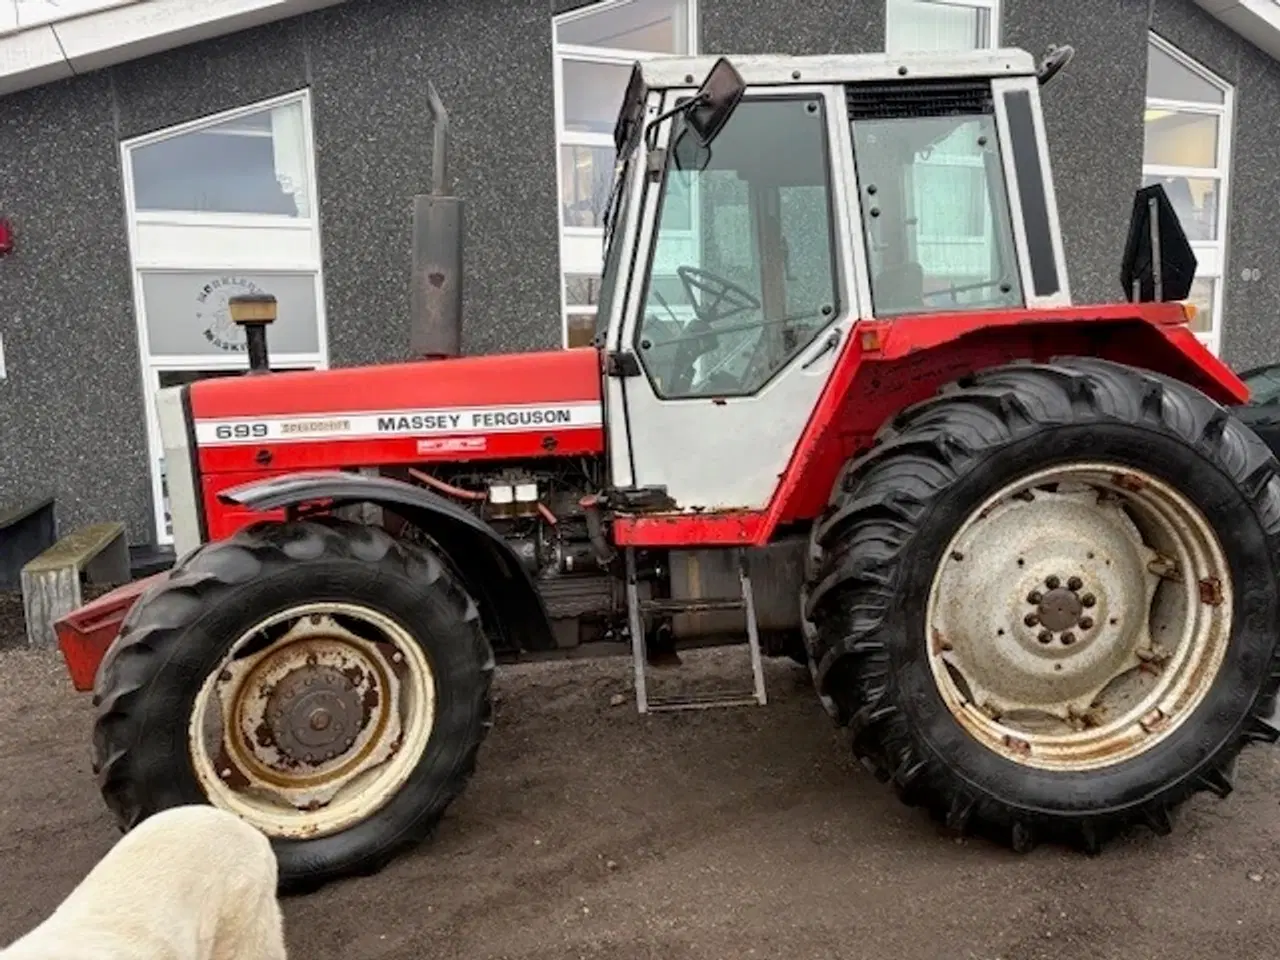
(928,98)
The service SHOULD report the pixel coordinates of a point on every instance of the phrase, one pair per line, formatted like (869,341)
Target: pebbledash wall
(338,98)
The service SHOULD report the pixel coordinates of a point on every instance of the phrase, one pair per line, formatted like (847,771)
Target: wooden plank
(16,513)
(46,597)
(51,582)
(77,548)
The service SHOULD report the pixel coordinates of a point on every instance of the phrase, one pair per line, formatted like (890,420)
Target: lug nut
(1088,600)
(1086,623)
(1075,583)
(1044,636)
(1031,620)
(1052,583)
(1034,597)
(1068,638)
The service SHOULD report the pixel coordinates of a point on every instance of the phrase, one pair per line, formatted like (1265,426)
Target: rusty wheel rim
(314,720)
(1079,617)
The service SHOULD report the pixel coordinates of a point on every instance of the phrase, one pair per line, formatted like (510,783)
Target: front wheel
(320,679)
(1046,601)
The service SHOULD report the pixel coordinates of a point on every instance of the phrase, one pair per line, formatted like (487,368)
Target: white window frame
(1211,255)
(993,18)
(573,241)
(303,256)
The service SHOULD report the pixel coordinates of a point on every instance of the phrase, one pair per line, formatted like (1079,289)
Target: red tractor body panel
(500,407)
(471,408)
(888,365)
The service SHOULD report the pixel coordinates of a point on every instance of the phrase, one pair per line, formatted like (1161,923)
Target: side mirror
(715,101)
(1159,263)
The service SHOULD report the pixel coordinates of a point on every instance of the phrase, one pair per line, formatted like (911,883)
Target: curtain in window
(288,148)
(929,25)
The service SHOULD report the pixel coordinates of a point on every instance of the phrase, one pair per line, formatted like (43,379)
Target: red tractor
(839,401)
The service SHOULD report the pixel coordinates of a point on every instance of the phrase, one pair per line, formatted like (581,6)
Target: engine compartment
(545,511)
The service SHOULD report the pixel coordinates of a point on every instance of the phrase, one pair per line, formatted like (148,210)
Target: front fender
(505,592)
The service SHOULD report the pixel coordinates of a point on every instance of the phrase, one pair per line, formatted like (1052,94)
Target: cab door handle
(829,344)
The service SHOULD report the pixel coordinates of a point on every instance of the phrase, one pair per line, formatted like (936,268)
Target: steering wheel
(718,290)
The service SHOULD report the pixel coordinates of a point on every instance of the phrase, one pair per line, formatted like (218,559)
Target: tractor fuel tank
(776,570)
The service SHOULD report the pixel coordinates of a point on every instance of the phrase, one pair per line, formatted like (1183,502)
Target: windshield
(616,211)
(936,214)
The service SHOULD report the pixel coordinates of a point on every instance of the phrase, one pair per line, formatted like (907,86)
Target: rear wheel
(321,680)
(1046,601)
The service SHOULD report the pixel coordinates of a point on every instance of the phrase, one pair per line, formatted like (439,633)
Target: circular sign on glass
(214,313)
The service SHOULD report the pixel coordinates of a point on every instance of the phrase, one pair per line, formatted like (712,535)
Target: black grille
(924,98)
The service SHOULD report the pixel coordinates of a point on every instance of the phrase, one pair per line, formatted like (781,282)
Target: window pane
(581,327)
(1195,199)
(657,26)
(581,290)
(187,312)
(592,95)
(1202,293)
(928,25)
(584,190)
(1169,79)
(936,214)
(739,288)
(1180,139)
(254,164)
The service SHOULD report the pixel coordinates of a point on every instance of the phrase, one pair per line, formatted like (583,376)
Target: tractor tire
(987,616)
(324,651)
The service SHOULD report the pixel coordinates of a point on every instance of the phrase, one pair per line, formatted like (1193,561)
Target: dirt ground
(590,832)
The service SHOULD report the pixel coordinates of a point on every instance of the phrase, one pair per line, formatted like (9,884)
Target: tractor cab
(756,218)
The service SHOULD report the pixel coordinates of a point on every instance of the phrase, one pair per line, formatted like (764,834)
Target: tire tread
(859,545)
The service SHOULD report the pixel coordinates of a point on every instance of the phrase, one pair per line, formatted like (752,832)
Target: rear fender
(508,600)
(887,366)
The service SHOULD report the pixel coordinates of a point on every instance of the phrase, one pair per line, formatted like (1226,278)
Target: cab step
(639,610)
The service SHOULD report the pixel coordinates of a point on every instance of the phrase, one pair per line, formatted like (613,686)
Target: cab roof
(769,69)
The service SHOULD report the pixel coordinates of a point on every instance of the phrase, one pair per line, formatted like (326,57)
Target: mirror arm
(651,127)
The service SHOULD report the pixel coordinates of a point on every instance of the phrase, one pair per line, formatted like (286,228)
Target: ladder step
(703,701)
(637,608)
(695,605)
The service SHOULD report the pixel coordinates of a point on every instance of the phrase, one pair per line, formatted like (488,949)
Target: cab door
(744,292)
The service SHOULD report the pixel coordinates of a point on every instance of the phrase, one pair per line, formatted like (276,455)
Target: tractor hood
(469,408)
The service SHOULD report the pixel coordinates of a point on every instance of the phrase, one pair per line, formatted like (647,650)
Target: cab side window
(743,274)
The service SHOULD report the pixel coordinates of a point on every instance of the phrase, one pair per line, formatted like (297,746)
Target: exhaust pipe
(435,296)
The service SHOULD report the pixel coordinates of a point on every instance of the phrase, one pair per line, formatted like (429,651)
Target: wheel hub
(1059,610)
(316,714)
(317,726)
(1065,634)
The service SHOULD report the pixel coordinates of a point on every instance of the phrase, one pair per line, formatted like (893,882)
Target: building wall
(71,408)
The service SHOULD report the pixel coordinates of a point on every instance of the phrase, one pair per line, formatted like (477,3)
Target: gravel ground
(589,831)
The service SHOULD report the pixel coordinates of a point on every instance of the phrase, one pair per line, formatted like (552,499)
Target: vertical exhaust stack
(436,291)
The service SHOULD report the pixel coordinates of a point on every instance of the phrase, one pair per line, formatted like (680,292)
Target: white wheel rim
(1128,582)
(321,727)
